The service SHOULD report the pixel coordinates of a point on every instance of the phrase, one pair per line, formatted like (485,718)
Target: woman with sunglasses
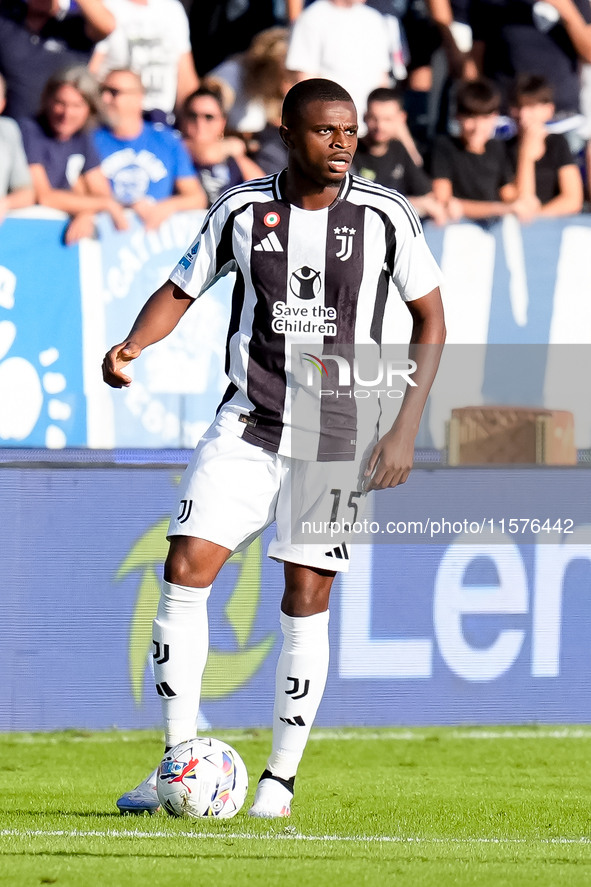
(64,164)
(221,163)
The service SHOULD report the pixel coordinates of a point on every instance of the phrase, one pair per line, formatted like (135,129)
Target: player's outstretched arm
(156,320)
(392,458)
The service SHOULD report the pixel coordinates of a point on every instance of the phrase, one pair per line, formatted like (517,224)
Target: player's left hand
(391,460)
(115,360)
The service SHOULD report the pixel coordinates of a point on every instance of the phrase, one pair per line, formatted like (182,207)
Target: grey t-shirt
(14,169)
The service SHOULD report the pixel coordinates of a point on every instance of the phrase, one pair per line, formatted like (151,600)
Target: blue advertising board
(420,633)
(42,399)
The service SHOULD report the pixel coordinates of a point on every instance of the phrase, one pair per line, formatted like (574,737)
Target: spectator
(345,41)
(543,164)
(550,38)
(222,28)
(471,174)
(64,164)
(392,12)
(259,81)
(271,153)
(221,163)
(424,40)
(152,39)
(452,19)
(382,156)
(37,39)
(16,187)
(146,163)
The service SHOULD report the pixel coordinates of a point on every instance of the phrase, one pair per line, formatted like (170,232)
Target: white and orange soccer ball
(202,778)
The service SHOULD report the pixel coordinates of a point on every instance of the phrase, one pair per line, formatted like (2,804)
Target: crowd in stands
(471,108)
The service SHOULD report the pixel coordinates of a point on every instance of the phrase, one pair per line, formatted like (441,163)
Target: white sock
(299,685)
(181,642)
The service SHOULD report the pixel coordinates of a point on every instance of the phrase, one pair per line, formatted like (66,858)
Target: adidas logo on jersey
(269,244)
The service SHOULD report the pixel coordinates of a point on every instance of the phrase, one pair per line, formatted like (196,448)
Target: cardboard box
(507,435)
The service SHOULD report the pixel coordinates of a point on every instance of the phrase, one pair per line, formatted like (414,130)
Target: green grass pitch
(421,807)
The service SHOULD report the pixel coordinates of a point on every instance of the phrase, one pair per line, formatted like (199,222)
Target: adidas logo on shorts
(269,244)
(340,552)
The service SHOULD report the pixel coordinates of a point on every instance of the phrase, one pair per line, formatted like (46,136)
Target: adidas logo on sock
(269,244)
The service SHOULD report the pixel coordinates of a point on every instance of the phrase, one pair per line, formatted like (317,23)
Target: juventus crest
(345,236)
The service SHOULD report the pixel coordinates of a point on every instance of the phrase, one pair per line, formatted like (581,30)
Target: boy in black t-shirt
(387,155)
(542,162)
(471,174)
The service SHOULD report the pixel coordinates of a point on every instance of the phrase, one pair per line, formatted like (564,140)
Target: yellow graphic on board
(226,671)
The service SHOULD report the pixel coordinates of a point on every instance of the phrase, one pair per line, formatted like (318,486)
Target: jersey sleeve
(414,270)
(209,257)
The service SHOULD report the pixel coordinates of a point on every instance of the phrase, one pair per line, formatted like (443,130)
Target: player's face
(324,140)
(67,112)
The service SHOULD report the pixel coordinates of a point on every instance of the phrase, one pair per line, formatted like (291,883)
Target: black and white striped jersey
(314,279)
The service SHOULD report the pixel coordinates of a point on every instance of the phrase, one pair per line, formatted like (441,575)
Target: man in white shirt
(344,41)
(151,39)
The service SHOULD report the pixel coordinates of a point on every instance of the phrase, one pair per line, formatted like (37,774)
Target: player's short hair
(386,94)
(477,98)
(531,89)
(307,91)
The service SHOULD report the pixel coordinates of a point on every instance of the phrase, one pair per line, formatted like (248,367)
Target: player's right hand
(115,360)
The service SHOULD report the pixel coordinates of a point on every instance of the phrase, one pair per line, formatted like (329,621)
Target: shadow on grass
(71,814)
(198,854)
(245,855)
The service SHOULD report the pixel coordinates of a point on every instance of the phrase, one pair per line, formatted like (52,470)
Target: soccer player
(311,237)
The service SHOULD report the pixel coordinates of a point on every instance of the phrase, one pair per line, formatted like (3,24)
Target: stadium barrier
(421,632)
(61,307)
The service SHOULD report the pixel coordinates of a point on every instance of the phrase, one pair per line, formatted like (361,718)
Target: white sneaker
(142,799)
(272,798)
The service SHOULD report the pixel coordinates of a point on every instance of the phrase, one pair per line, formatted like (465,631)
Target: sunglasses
(113,91)
(209,118)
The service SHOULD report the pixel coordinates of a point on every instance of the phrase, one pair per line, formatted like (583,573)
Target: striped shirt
(309,282)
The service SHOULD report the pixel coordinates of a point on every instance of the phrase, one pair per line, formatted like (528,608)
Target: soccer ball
(202,778)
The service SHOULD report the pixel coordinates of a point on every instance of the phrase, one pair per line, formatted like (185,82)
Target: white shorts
(232,490)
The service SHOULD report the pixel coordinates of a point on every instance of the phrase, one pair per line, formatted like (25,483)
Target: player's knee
(183,566)
(305,600)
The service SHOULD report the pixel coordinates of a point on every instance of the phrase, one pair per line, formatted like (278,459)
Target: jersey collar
(279,178)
